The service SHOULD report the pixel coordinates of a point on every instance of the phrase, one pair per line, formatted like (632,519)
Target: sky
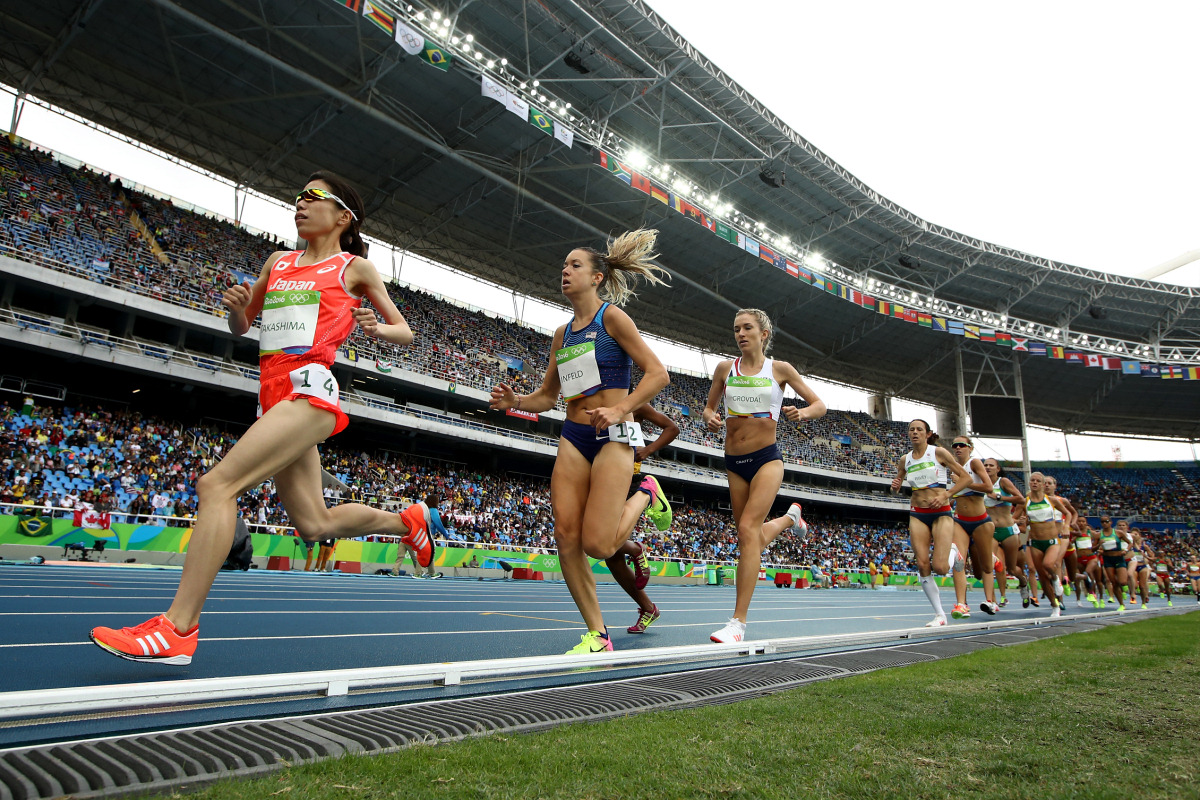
(1065,130)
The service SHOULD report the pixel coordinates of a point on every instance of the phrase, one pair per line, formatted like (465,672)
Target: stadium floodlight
(636,158)
(536,84)
(437,15)
(814,260)
(470,37)
(504,62)
(491,64)
(420,16)
(455,40)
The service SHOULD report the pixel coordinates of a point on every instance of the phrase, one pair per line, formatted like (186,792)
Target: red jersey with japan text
(308,312)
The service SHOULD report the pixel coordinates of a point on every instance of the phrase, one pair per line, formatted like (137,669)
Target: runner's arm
(652,415)
(503,396)
(363,279)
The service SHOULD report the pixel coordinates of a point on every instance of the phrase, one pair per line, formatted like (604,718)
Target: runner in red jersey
(310,302)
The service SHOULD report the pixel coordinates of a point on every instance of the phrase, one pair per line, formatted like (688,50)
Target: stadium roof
(265,93)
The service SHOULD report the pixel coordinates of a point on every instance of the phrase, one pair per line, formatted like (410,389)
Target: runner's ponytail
(630,258)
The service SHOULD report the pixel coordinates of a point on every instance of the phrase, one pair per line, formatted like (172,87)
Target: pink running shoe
(641,568)
(645,620)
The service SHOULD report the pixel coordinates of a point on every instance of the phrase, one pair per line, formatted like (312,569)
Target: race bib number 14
(315,380)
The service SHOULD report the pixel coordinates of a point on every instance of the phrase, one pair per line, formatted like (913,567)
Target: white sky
(1066,130)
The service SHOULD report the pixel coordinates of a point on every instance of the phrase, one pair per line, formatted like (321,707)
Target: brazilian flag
(435,56)
(540,121)
(33,525)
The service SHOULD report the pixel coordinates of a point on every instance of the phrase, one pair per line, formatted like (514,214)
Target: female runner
(1141,569)
(649,499)
(752,388)
(1044,544)
(999,506)
(310,302)
(1066,524)
(1089,562)
(1193,569)
(590,364)
(974,528)
(929,520)
(1112,547)
(1162,573)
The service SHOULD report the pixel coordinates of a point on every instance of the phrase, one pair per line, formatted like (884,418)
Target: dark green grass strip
(1109,714)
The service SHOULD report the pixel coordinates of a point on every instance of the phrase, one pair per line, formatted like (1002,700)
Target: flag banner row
(888,308)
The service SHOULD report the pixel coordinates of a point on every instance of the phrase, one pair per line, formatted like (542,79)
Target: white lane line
(476,632)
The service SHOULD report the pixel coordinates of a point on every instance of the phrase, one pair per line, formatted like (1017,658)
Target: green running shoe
(659,510)
(591,642)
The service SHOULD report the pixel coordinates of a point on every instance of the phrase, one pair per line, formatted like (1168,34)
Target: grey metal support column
(1024,430)
(962,391)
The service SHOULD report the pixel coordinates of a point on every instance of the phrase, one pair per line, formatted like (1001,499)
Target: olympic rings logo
(297,299)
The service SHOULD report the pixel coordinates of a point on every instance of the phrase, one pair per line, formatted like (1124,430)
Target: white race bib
(748,396)
(629,433)
(1108,544)
(1083,543)
(289,321)
(315,380)
(578,372)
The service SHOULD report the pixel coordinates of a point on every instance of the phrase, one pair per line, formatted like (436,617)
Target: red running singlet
(307,315)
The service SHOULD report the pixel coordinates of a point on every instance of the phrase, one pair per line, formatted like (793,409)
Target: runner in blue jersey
(590,366)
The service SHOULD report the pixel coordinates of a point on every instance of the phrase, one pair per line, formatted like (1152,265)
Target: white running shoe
(1057,612)
(1082,603)
(1025,595)
(798,521)
(989,608)
(734,631)
(936,622)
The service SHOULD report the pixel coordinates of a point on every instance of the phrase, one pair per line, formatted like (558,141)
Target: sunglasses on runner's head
(322,194)
(957,445)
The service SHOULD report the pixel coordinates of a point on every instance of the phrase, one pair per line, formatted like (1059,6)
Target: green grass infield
(1110,714)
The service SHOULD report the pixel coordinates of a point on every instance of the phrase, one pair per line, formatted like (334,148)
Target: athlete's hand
(639,454)
(713,420)
(366,319)
(896,484)
(237,298)
(793,413)
(503,397)
(603,418)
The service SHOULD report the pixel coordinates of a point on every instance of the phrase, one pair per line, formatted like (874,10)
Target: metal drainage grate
(159,762)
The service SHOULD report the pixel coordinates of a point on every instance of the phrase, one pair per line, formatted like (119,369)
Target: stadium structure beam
(439,147)
(57,46)
(1111,382)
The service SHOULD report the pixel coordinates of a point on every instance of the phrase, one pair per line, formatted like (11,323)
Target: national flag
(1037,348)
(869,302)
(956,327)
(818,281)
(692,212)
(600,158)
(804,273)
(1003,339)
(897,311)
(750,246)
(832,287)
(352,355)
(925,320)
(726,232)
(491,89)
(520,107)
(1074,357)
(939,324)
(1055,351)
(766,253)
(971,331)
(91,518)
(379,15)
(1020,344)
(413,43)
(660,194)
(780,262)
(1091,359)
(640,182)
(910,315)
(987,334)
(1171,372)
(383,366)
(1131,368)
(564,134)
(353,5)
(539,120)
(1110,363)
(844,292)
(884,307)
(435,56)
(1150,370)
(792,267)
(856,297)
(452,388)
(1191,373)
(33,524)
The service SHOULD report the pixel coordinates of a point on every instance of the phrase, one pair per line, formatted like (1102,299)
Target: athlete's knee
(923,565)
(749,533)
(941,564)
(211,487)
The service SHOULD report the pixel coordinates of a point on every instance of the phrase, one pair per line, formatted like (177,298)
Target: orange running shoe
(154,640)
(417,538)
